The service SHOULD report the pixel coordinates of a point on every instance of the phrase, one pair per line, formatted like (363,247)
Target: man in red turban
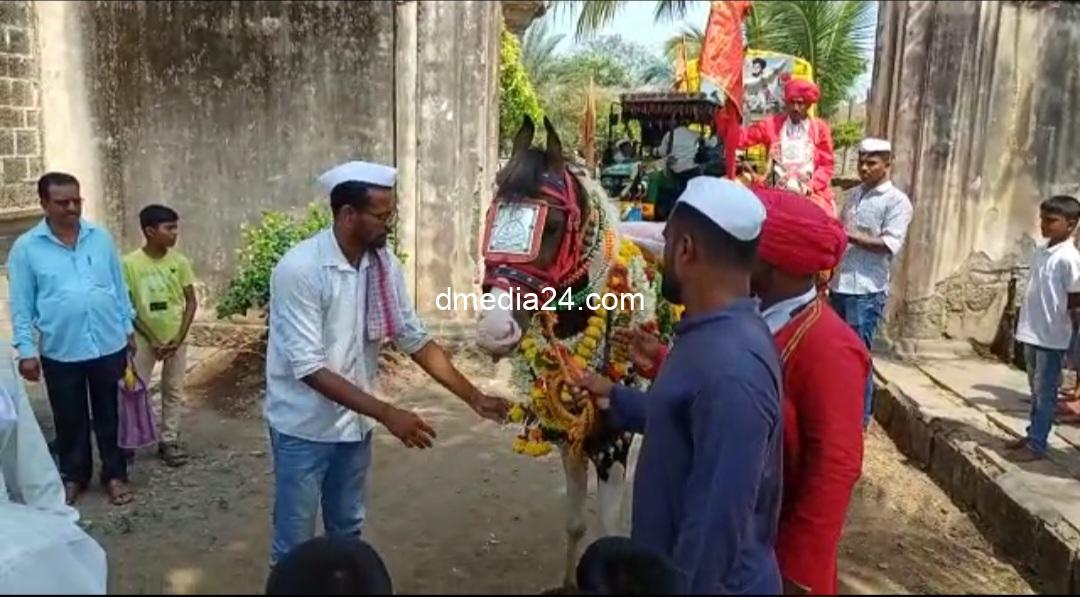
(800,147)
(824,376)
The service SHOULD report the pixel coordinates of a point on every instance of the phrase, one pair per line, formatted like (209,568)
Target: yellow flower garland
(552,405)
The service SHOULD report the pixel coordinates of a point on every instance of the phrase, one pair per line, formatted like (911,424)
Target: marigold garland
(544,364)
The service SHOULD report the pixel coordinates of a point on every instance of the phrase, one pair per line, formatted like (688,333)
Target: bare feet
(118,491)
(72,491)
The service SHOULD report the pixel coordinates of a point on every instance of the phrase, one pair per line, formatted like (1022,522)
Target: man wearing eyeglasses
(335,298)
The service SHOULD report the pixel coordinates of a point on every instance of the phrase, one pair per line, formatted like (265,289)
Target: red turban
(806,91)
(798,236)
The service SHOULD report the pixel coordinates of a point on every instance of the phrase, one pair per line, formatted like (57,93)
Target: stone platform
(953,417)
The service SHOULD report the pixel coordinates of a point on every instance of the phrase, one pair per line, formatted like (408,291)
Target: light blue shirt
(778,315)
(318,320)
(76,298)
(883,212)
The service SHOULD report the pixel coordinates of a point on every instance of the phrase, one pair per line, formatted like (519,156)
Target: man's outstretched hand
(644,347)
(491,407)
(408,427)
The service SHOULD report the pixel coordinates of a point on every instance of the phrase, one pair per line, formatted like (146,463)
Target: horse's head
(533,239)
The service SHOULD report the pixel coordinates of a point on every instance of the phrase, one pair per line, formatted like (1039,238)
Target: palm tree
(833,36)
(691,35)
(538,55)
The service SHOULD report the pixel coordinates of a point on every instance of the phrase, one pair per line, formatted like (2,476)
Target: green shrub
(516,94)
(847,134)
(263,246)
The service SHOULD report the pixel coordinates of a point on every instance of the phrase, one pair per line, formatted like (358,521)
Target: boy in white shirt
(1046,319)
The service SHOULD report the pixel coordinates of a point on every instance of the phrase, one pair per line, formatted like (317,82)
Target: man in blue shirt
(66,284)
(707,487)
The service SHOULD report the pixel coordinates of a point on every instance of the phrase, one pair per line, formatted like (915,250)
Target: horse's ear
(555,160)
(524,137)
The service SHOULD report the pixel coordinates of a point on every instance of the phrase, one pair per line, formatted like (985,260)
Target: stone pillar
(20,133)
(978,100)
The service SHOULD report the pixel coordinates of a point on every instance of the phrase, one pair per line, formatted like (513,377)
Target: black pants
(68,385)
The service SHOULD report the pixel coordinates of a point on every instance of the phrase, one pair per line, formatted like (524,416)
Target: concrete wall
(982,103)
(225,109)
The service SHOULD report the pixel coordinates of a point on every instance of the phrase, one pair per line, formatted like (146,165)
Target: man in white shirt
(335,298)
(39,530)
(679,147)
(876,216)
(1047,319)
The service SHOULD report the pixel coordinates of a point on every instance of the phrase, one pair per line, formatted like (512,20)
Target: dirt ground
(469,516)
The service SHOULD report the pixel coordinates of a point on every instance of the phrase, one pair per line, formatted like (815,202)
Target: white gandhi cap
(729,204)
(365,172)
(872,145)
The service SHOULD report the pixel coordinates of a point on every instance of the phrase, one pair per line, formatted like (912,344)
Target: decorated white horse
(561,281)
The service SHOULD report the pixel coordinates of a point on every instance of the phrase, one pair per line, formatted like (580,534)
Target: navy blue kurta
(707,490)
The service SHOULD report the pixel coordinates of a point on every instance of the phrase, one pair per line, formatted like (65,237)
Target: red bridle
(513,270)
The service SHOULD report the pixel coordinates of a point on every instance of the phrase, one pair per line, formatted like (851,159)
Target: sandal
(72,491)
(172,455)
(118,491)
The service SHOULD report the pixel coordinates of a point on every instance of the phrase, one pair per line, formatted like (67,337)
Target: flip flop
(119,494)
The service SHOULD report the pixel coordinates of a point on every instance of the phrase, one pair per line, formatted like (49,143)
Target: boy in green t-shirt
(162,286)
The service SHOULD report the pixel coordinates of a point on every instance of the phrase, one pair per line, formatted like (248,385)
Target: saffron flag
(721,66)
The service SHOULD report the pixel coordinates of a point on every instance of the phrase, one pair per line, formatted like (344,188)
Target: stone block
(1012,528)
(5,92)
(7,142)
(1053,561)
(15,170)
(18,42)
(11,118)
(19,67)
(21,94)
(26,142)
(951,469)
(14,12)
(17,195)
(33,118)
(36,168)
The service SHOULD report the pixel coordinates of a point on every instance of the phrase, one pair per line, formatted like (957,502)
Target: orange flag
(721,64)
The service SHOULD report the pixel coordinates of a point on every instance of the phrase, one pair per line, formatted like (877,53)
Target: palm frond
(671,10)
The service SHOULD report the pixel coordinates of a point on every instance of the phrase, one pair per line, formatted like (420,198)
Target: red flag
(721,63)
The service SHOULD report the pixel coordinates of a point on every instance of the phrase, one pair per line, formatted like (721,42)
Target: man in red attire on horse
(800,147)
(824,372)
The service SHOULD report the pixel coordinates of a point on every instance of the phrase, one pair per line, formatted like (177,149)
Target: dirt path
(470,516)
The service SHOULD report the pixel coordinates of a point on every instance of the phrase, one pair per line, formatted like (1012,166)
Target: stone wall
(980,101)
(20,136)
(224,110)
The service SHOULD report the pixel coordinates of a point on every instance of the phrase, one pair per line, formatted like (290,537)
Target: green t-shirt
(157,290)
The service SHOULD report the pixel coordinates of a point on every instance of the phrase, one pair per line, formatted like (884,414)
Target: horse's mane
(522,174)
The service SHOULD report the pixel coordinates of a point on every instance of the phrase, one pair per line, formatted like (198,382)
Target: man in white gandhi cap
(334,299)
(708,481)
(876,216)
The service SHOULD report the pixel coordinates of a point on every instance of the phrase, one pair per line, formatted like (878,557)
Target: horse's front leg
(611,485)
(577,487)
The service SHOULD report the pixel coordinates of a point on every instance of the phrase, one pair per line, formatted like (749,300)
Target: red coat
(824,382)
(767,132)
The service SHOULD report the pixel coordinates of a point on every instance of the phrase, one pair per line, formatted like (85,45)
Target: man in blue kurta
(708,482)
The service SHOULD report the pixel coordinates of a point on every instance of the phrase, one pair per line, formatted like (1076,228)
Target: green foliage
(834,36)
(847,134)
(263,246)
(516,94)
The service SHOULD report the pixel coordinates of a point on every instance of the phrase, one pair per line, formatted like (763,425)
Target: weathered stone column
(978,100)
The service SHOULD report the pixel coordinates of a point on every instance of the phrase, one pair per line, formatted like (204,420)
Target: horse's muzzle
(497,332)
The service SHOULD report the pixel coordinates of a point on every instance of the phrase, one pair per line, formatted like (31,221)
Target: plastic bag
(138,428)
